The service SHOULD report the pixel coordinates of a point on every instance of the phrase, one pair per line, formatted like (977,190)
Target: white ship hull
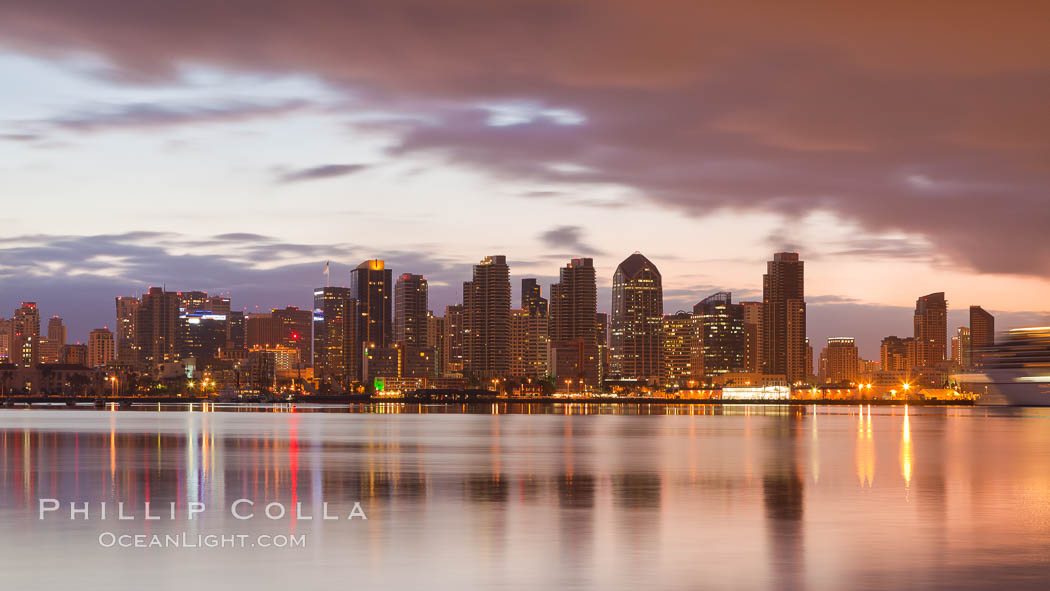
(1011,388)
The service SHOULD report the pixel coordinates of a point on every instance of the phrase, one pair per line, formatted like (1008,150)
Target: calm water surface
(534,497)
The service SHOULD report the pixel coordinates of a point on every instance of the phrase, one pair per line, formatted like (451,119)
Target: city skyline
(192,157)
(868,343)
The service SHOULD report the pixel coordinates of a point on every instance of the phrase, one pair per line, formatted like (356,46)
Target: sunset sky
(902,148)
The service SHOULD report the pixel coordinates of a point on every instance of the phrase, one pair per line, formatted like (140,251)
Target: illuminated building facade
(126,333)
(636,323)
(454,344)
(370,285)
(529,344)
(982,332)
(573,334)
(931,329)
(723,335)
(101,348)
(840,361)
(532,298)
(962,347)
(784,317)
(486,302)
(753,327)
(334,343)
(682,351)
(157,321)
(411,322)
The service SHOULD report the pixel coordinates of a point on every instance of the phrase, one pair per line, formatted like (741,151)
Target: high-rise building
(75,354)
(126,333)
(931,328)
(260,330)
(27,319)
(898,355)
(436,341)
(486,300)
(682,352)
(193,301)
(101,347)
(56,331)
(410,310)
(370,285)
(335,344)
(202,335)
(454,346)
(601,326)
(961,347)
(157,321)
(636,324)
(6,341)
(573,330)
(784,317)
(528,344)
(982,333)
(236,331)
(723,335)
(51,347)
(532,298)
(292,329)
(753,312)
(840,361)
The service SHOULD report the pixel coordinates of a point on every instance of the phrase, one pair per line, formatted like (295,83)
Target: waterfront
(538,496)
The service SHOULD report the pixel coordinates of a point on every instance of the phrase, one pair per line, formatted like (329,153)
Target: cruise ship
(1015,371)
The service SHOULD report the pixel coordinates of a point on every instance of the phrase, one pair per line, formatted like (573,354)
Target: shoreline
(334,401)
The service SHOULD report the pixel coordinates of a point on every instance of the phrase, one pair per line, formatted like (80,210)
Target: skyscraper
(601,327)
(101,348)
(682,356)
(636,343)
(293,329)
(840,361)
(784,317)
(898,355)
(931,328)
(723,335)
(410,310)
(333,332)
(454,343)
(486,301)
(127,314)
(156,324)
(56,331)
(370,286)
(27,320)
(982,332)
(753,313)
(532,299)
(528,344)
(573,330)
(436,341)
(962,347)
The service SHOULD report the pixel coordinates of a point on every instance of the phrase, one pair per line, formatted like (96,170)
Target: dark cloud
(19,137)
(927,119)
(143,115)
(570,237)
(320,172)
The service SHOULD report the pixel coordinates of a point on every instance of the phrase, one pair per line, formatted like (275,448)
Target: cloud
(570,237)
(19,137)
(925,119)
(320,172)
(146,115)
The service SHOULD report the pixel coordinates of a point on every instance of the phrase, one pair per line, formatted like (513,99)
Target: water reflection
(542,495)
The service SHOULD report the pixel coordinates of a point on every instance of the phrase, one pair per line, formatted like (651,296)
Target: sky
(902,148)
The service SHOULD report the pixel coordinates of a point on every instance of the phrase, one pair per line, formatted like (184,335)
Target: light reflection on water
(573,496)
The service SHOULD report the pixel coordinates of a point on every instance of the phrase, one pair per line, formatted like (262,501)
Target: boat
(1015,371)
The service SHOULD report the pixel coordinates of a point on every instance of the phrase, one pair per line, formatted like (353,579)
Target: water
(532,497)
